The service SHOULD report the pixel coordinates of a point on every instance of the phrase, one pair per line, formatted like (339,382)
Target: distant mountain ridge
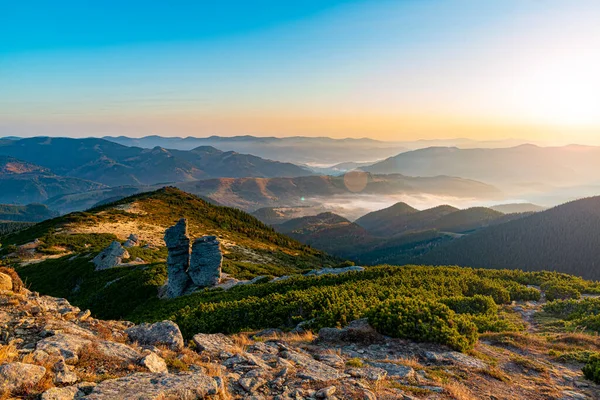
(253,193)
(512,167)
(296,149)
(111,164)
(23,182)
(409,233)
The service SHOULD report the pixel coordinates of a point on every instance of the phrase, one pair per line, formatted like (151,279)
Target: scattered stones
(178,260)
(205,263)
(165,333)
(110,257)
(16,375)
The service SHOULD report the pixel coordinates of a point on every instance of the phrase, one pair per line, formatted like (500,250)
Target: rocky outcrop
(189,271)
(178,260)
(165,333)
(132,241)
(205,263)
(110,257)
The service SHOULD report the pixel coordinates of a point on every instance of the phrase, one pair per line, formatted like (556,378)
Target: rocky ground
(52,350)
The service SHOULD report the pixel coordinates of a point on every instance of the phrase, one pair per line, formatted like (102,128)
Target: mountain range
(313,151)
(23,182)
(392,235)
(36,169)
(524,168)
(113,164)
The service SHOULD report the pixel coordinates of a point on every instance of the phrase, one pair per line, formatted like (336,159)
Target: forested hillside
(565,238)
(28,213)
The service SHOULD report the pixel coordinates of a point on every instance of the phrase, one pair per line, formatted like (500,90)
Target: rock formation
(178,260)
(110,257)
(187,271)
(205,263)
(132,241)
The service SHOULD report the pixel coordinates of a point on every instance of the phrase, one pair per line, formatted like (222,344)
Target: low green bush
(477,304)
(557,290)
(592,369)
(424,320)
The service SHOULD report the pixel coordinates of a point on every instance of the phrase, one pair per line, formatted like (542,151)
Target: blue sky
(385,69)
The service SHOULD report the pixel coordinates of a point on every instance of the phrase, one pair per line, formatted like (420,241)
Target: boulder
(110,257)
(154,363)
(165,333)
(152,386)
(64,393)
(312,369)
(118,351)
(205,262)
(178,259)
(64,345)
(212,343)
(6,282)
(16,375)
(132,241)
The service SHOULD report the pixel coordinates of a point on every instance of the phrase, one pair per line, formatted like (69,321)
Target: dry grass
(16,280)
(291,337)
(240,343)
(95,366)
(458,391)
(519,340)
(529,364)
(496,373)
(8,353)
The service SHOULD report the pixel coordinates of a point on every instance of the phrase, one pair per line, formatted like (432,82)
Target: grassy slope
(252,249)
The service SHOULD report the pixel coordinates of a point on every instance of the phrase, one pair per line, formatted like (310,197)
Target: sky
(389,70)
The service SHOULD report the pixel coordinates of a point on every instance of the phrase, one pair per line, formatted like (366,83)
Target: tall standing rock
(178,260)
(205,264)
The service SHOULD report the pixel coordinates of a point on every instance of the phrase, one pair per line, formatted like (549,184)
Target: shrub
(477,304)
(556,290)
(424,320)
(592,369)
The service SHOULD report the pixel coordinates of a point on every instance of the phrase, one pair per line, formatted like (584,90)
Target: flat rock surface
(149,386)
